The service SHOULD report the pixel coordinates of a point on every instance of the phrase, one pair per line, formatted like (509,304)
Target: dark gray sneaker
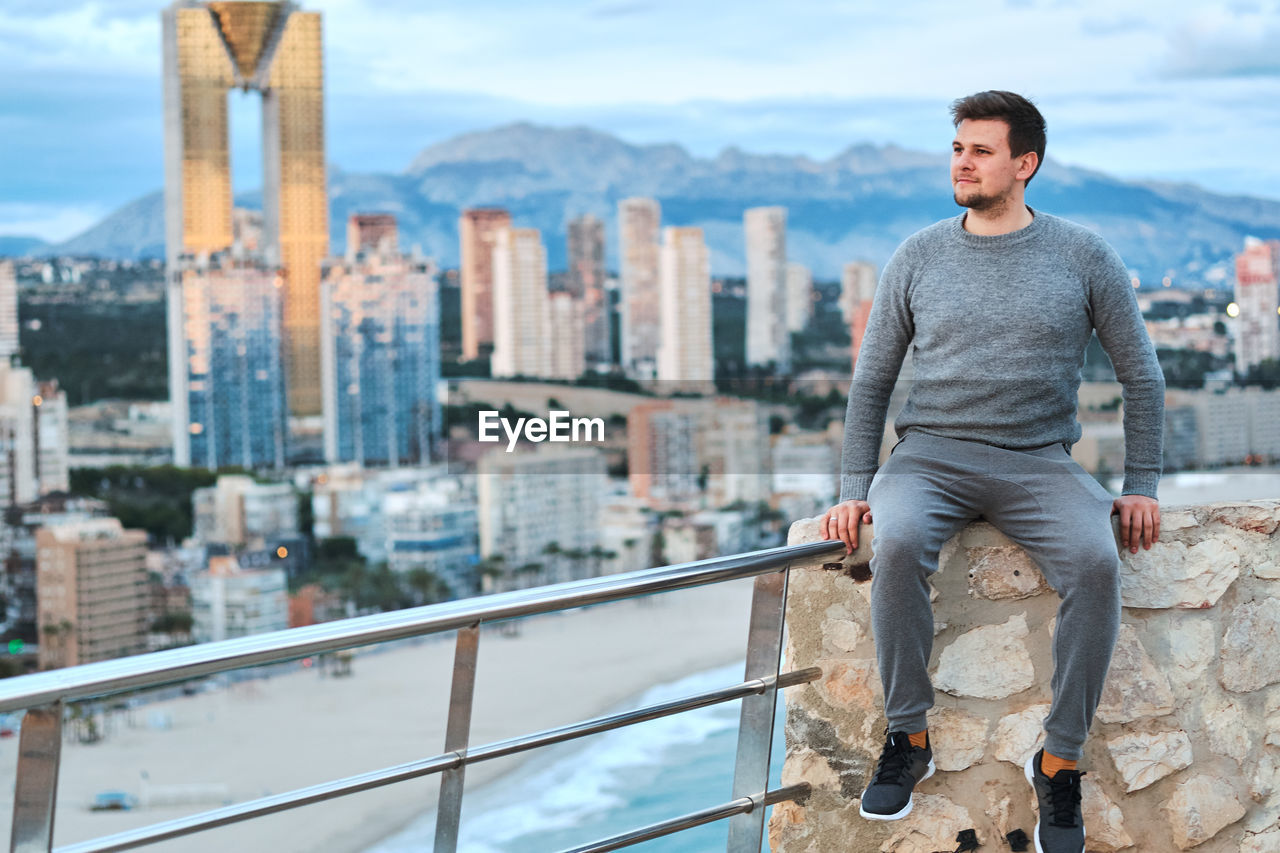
(1061,825)
(901,767)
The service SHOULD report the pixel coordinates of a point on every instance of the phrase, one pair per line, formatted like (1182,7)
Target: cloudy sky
(1186,91)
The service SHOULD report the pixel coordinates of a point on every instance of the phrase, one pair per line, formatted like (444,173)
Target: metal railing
(44,695)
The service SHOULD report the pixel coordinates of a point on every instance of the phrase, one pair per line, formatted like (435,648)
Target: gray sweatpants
(929,488)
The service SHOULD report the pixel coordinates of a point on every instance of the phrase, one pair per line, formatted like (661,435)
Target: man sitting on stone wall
(998,305)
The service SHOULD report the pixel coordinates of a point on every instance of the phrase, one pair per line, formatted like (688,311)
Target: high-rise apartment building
(233,372)
(230,601)
(34,458)
(1257,296)
(799,297)
(587,284)
(478,230)
(273,48)
(566,336)
(857,292)
(768,340)
(8,310)
(684,350)
(639,220)
(521,314)
(380,352)
(91,601)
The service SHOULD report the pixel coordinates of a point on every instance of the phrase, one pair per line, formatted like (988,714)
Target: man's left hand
(1139,521)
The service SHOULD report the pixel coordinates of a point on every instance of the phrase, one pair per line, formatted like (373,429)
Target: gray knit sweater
(998,327)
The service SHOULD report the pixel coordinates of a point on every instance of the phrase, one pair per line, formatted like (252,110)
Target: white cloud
(50,222)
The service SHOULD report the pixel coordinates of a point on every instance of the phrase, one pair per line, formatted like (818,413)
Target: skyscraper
(586,283)
(799,297)
(8,310)
(33,436)
(380,351)
(639,220)
(233,370)
(275,49)
(1256,295)
(684,351)
(766,239)
(566,336)
(857,293)
(477,230)
(521,314)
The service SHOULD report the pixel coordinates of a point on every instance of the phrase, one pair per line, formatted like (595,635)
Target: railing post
(36,789)
(755,729)
(457,738)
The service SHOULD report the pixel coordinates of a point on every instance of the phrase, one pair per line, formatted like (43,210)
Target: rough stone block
(932,825)
(959,739)
(988,662)
(1200,808)
(1018,736)
(1004,573)
(1249,658)
(1135,686)
(1103,820)
(1174,575)
(1145,758)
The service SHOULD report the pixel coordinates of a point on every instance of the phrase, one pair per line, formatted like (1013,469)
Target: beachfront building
(238,511)
(34,456)
(229,601)
(684,340)
(435,528)
(276,50)
(768,341)
(539,514)
(587,283)
(662,452)
(410,518)
(228,383)
(380,350)
(91,600)
(639,222)
(799,296)
(707,453)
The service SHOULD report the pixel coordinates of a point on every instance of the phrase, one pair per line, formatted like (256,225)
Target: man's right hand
(842,520)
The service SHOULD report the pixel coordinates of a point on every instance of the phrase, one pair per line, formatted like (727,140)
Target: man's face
(984,174)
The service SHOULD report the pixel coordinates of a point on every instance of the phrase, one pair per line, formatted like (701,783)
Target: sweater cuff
(1140,483)
(854,487)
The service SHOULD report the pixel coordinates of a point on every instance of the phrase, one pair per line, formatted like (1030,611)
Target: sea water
(611,783)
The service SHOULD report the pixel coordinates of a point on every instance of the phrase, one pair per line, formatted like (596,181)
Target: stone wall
(1185,748)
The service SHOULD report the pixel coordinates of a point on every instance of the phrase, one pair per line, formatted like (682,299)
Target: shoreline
(287,731)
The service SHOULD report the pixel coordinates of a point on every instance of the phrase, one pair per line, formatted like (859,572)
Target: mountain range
(858,204)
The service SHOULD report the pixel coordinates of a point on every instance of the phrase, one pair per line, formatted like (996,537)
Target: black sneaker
(901,767)
(1060,828)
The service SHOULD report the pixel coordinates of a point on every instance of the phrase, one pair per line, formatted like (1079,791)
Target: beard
(981,202)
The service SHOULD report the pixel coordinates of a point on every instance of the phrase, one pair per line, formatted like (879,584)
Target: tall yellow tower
(275,49)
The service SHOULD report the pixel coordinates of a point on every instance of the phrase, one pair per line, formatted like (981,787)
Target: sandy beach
(292,730)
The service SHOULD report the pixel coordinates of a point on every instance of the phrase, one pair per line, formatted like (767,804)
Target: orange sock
(1050,764)
(920,739)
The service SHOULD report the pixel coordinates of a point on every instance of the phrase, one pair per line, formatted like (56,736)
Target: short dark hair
(1026,125)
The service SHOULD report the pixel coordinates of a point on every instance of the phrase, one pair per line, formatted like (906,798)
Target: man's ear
(1027,168)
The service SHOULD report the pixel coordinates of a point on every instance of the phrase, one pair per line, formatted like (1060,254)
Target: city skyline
(1153,92)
